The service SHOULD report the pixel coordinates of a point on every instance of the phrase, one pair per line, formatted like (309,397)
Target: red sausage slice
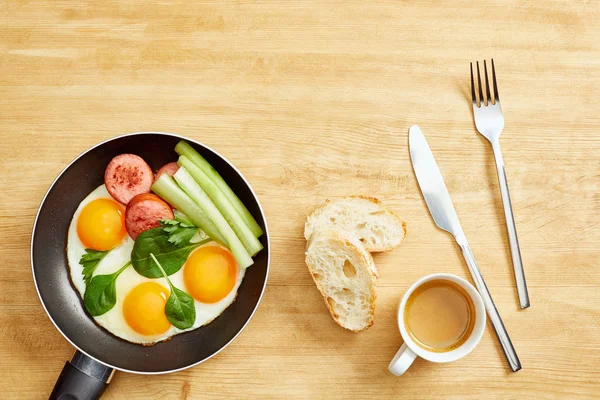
(144,212)
(168,169)
(127,175)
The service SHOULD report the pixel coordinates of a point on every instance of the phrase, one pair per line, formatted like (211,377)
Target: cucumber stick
(184,149)
(180,216)
(166,188)
(199,236)
(189,185)
(234,220)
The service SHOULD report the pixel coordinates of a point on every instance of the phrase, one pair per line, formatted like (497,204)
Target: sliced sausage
(127,175)
(144,212)
(168,169)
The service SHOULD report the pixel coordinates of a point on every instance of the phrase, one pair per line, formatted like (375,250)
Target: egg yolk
(210,274)
(101,224)
(144,309)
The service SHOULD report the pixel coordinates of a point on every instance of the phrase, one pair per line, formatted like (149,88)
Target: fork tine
(481,104)
(473,87)
(487,84)
(495,84)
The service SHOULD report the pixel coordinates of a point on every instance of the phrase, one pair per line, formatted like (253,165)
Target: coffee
(439,315)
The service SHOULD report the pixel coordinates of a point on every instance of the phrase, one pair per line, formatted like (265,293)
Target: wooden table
(313,100)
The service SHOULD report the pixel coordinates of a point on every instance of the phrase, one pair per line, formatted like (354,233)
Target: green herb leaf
(179,232)
(180,309)
(171,256)
(101,294)
(89,261)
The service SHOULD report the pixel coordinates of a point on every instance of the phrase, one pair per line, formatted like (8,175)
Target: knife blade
(432,185)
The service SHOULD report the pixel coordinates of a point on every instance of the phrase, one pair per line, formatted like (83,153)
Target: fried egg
(210,275)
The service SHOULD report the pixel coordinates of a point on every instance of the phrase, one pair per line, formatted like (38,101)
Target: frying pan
(99,353)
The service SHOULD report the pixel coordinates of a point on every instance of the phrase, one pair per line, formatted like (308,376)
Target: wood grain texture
(310,100)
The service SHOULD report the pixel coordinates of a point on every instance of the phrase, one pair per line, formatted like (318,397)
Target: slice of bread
(363,218)
(346,277)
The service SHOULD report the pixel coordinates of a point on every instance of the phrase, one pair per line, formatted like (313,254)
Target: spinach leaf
(171,256)
(179,232)
(101,294)
(180,309)
(89,261)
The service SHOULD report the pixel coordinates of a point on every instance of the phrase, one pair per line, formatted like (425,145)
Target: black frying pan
(99,353)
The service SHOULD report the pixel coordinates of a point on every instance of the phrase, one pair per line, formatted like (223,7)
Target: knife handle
(505,342)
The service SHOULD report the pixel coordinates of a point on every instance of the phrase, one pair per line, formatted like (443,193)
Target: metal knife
(442,210)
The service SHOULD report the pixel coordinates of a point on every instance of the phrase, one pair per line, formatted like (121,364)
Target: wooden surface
(312,100)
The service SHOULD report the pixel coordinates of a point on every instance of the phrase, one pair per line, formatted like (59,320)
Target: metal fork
(490,122)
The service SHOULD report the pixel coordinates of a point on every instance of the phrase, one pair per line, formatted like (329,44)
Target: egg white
(113,320)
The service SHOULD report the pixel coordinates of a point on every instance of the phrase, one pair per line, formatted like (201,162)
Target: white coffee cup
(410,350)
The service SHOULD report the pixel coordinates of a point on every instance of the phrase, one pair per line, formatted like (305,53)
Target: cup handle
(402,360)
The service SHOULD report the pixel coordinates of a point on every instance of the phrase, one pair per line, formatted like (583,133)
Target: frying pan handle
(82,378)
